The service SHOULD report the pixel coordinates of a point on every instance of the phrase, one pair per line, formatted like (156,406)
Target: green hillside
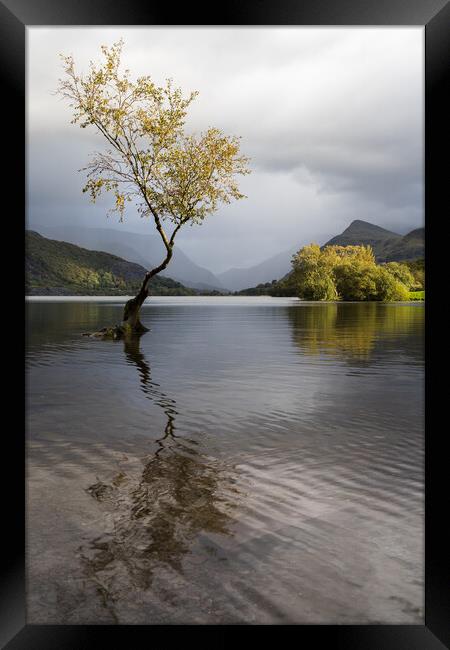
(410,247)
(59,268)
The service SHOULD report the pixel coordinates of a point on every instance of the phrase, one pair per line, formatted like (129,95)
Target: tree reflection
(353,331)
(160,510)
(151,389)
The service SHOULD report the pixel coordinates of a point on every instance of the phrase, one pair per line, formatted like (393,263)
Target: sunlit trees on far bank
(348,273)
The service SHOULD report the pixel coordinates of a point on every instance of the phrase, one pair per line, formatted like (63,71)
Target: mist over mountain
(146,250)
(271,269)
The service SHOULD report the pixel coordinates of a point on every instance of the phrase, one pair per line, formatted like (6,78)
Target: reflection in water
(160,510)
(151,389)
(352,331)
(274,476)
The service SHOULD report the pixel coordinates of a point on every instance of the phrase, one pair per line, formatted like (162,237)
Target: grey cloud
(331,118)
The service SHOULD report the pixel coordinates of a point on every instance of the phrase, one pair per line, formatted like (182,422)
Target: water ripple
(245,461)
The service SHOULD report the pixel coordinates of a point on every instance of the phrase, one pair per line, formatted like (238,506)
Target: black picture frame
(434,15)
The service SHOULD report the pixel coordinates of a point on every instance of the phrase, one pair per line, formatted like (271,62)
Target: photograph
(225,320)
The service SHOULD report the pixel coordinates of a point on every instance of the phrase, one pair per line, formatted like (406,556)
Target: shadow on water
(355,332)
(157,509)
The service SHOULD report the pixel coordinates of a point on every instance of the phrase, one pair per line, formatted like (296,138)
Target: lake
(248,460)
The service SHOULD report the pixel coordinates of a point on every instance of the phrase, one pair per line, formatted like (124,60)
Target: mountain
(410,247)
(271,269)
(362,231)
(60,268)
(146,250)
(388,246)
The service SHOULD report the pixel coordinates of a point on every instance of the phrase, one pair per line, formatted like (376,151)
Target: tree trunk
(131,321)
(131,324)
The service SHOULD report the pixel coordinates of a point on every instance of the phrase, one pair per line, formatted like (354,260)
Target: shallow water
(252,460)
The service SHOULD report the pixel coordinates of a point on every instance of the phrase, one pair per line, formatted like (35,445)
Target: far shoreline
(106,298)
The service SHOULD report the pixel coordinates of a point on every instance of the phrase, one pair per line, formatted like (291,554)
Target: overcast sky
(332,119)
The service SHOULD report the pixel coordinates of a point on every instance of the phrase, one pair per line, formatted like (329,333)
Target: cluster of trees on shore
(346,273)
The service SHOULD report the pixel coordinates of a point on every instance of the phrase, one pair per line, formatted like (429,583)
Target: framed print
(229,373)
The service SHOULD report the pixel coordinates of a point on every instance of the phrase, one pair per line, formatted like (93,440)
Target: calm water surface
(255,460)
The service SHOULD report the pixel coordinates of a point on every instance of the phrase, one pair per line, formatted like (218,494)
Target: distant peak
(359,226)
(360,222)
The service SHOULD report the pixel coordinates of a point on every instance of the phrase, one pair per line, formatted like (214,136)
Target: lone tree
(174,177)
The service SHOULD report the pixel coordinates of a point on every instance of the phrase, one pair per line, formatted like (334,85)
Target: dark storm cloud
(332,120)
